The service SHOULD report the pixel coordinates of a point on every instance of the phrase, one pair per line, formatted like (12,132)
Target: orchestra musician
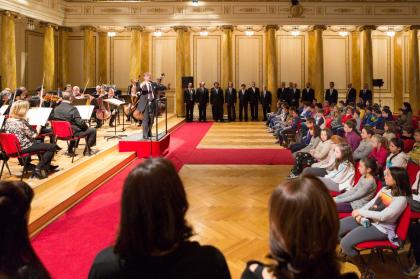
(147,104)
(113,109)
(76,92)
(69,88)
(67,112)
(189,101)
(132,90)
(202,98)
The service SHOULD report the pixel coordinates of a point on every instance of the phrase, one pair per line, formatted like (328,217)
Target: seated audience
(365,147)
(18,259)
(26,135)
(405,117)
(414,154)
(363,191)
(379,151)
(414,230)
(308,139)
(356,117)
(380,121)
(389,130)
(290,129)
(377,219)
(369,118)
(154,238)
(408,137)
(341,177)
(351,135)
(396,157)
(298,246)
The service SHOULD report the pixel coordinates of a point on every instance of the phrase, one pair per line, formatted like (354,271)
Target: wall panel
(75,49)
(291,59)
(34,50)
(206,59)
(120,61)
(164,58)
(249,59)
(381,52)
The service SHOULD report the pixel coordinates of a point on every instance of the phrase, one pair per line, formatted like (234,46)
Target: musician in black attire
(147,104)
(266,100)
(351,95)
(254,99)
(230,100)
(189,101)
(308,93)
(331,94)
(113,109)
(202,98)
(282,92)
(366,94)
(217,101)
(243,103)
(67,112)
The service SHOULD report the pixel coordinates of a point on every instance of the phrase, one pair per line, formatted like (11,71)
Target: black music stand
(117,103)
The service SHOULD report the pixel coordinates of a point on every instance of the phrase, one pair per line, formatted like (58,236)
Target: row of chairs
(11,147)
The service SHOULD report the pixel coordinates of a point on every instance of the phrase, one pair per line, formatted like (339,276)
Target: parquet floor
(238,135)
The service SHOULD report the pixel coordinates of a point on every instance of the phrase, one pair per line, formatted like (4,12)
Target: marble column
(187,52)
(398,71)
(181,33)
(135,52)
(367,57)
(89,56)
(49,57)
(63,61)
(8,50)
(145,53)
(413,68)
(102,58)
(355,60)
(227,61)
(271,62)
(316,61)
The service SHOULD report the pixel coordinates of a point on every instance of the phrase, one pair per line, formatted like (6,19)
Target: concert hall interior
(154,139)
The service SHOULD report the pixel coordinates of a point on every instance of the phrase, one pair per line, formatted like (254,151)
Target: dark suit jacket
(266,101)
(282,94)
(296,96)
(254,97)
(290,96)
(230,98)
(189,97)
(66,112)
(366,96)
(202,96)
(308,95)
(243,96)
(332,98)
(351,96)
(143,99)
(216,98)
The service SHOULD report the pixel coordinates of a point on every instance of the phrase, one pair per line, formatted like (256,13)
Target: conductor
(147,103)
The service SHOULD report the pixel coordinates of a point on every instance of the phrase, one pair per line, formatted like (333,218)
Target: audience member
(414,154)
(306,139)
(356,117)
(408,137)
(379,151)
(389,130)
(365,146)
(396,157)
(351,135)
(405,117)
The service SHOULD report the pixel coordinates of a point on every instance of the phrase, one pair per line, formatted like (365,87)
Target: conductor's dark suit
(189,101)
(146,105)
(331,95)
(217,101)
(230,100)
(266,100)
(243,104)
(202,98)
(254,99)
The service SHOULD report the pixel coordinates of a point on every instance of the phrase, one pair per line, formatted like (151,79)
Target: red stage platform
(142,147)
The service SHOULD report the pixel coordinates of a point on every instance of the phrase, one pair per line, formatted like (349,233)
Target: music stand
(3,109)
(85,111)
(117,103)
(38,116)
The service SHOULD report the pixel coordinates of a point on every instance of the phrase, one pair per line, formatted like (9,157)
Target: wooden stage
(74,181)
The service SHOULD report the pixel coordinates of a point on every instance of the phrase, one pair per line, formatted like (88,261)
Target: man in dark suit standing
(243,103)
(296,95)
(146,105)
(331,94)
(308,94)
(351,95)
(189,101)
(217,101)
(366,94)
(290,95)
(254,99)
(266,100)
(282,92)
(202,98)
(230,100)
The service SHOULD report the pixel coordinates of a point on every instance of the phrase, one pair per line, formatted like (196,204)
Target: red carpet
(68,246)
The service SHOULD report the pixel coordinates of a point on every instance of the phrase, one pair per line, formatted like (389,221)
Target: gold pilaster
(355,60)
(145,52)
(102,58)
(8,47)
(367,57)
(271,62)
(227,62)
(181,33)
(316,61)
(187,52)
(398,71)
(413,68)
(135,53)
(89,56)
(63,64)
(49,57)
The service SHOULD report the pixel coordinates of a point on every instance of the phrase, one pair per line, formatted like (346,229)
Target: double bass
(104,112)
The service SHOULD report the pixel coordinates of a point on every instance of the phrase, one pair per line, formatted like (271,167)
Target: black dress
(190,260)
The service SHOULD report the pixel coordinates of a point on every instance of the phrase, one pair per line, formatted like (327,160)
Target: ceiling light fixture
(157,33)
(295,32)
(249,31)
(204,32)
(195,2)
(112,34)
(390,32)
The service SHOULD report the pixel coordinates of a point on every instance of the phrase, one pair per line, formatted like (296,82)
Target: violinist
(69,88)
(21,94)
(76,92)
(113,109)
(66,112)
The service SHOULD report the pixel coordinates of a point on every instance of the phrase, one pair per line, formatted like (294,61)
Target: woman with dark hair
(153,239)
(396,157)
(351,134)
(405,117)
(17,257)
(377,219)
(301,214)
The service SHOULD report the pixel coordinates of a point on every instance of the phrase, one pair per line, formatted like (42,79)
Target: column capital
(135,28)
(48,25)
(227,27)
(183,28)
(272,26)
(366,27)
(88,27)
(413,27)
(10,13)
(319,27)
(65,29)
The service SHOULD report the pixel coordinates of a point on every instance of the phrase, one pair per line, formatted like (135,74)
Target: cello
(103,113)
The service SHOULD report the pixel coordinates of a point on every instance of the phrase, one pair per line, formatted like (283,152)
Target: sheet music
(85,111)
(2,117)
(114,102)
(38,116)
(3,109)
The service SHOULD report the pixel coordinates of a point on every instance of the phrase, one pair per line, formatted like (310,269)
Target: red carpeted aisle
(68,246)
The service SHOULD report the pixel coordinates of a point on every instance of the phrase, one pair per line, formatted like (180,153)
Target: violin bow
(87,82)
(42,90)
